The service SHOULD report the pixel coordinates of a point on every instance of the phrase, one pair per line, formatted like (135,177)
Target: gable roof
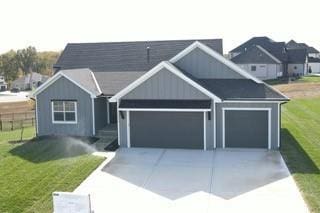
(216,56)
(168,66)
(295,45)
(125,56)
(255,54)
(83,78)
(277,49)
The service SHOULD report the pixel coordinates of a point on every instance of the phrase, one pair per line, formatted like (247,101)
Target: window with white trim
(64,111)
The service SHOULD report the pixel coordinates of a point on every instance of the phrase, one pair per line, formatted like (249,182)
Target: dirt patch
(300,90)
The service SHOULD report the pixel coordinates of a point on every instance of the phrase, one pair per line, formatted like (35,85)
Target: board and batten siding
(63,89)
(275,130)
(165,85)
(202,66)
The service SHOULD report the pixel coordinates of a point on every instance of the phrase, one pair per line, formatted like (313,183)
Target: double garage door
(167,129)
(242,129)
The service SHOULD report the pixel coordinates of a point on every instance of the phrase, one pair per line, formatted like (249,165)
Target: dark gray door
(246,129)
(166,129)
(113,112)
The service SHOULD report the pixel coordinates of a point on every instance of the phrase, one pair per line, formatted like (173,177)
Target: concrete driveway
(172,180)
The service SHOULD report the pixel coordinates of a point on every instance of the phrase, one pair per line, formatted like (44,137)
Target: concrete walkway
(168,180)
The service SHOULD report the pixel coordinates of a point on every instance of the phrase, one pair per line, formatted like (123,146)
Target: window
(64,112)
(253,68)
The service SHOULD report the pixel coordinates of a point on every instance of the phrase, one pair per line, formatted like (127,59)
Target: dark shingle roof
(83,77)
(237,89)
(297,56)
(254,54)
(169,104)
(112,82)
(125,56)
(313,60)
(277,49)
(294,45)
(241,89)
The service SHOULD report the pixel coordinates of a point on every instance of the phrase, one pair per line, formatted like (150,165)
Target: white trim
(165,110)
(155,70)
(95,81)
(37,123)
(249,109)
(128,129)
(93,117)
(215,55)
(269,54)
(247,101)
(204,131)
(214,125)
(118,123)
(65,122)
(279,125)
(108,112)
(54,79)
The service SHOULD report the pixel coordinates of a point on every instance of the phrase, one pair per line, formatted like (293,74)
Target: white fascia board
(269,54)
(95,82)
(55,78)
(156,69)
(217,56)
(164,110)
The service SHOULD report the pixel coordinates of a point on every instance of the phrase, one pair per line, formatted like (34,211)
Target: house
(312,52)
(313,60)
(297,62)
(313,65)
(30,81)
(3,84)
(164,94)
(259,62)
(261,57)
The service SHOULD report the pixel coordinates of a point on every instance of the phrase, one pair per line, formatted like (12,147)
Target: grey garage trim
(124,126)
(164,129)
(248,110)
(274,124)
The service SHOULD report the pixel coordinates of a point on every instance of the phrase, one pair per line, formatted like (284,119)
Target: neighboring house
(312,52)
(297,62)
(313,62)
(262,57)
(259,62)
(164,94)
(267,59)
(3,84)
(313,65)
(30,81)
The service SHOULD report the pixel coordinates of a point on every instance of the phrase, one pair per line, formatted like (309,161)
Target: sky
(50,25)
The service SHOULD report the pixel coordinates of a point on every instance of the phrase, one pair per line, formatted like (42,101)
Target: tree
(27,59)
(9,66)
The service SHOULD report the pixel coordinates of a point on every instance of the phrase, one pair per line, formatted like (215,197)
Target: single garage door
(246,129)
(166,129)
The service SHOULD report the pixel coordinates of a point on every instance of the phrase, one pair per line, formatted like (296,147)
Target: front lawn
(31,171)
(301,146)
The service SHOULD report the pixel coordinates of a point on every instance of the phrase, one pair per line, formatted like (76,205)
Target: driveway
(173,180)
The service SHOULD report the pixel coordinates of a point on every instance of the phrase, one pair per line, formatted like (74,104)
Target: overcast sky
(50,25)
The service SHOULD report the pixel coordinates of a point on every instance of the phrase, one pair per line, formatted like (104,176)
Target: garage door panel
(246,129)
(166,129)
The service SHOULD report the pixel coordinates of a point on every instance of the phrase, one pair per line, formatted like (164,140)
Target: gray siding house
(162,94)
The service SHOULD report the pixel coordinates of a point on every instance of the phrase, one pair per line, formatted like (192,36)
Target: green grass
(304,79)
(301,146)
(31,171)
